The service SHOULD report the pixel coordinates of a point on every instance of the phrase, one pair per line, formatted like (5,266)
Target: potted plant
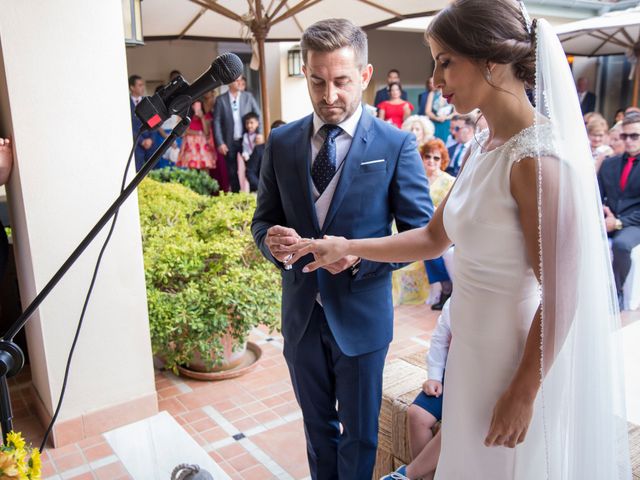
(208,285)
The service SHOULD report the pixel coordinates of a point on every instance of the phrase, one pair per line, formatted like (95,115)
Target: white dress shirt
(238,128)
(439,349)
(343,143)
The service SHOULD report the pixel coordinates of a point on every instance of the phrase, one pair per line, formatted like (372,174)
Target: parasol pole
(636,77)
(260,29)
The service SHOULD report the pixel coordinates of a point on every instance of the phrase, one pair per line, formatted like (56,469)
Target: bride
(534,386)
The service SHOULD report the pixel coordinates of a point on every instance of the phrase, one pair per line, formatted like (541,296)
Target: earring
(487,75)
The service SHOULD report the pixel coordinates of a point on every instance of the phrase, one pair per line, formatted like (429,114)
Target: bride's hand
(326,251)
(511,419)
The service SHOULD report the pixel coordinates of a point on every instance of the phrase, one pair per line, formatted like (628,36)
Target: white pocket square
(373,161)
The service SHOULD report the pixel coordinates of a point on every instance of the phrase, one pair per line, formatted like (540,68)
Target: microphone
(176,97)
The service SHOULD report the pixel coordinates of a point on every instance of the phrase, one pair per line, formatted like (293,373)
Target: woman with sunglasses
(435,159)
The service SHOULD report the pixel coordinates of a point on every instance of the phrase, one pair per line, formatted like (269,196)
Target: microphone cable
(88,296)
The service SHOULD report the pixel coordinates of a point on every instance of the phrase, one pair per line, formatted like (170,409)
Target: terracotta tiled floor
(251,426)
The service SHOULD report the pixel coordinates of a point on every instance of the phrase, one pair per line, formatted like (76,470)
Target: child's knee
(419,417)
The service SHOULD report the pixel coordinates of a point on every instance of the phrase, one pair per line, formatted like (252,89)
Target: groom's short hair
(333,34)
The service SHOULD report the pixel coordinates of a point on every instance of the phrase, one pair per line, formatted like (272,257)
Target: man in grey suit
(228,128)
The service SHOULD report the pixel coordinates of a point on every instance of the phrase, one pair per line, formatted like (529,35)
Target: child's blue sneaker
(399,474)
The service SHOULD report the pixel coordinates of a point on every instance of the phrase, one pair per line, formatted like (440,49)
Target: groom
(339,172)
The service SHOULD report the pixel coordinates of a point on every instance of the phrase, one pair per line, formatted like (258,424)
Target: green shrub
(205,277)
(197,180)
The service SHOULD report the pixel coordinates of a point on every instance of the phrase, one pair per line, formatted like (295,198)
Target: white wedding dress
(494,300)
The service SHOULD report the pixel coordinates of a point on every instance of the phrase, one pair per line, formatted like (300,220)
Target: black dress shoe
(443,299)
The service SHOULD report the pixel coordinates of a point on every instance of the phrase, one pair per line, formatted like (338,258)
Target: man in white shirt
(228,111)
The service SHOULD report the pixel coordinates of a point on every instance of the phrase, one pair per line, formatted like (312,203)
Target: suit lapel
(351,166)
(302,151)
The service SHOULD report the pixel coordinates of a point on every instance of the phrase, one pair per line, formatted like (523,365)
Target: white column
(64,100)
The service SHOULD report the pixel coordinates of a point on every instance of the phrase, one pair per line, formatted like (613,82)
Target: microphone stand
(11,356)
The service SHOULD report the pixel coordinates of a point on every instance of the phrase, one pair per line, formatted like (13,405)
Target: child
(426,410)
(252,148)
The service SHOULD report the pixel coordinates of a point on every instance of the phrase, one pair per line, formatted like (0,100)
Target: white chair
(448,261)
(631,289)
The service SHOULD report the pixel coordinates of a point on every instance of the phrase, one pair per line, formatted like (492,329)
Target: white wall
(71,143)
(404,51)
(155,60)
(291,93)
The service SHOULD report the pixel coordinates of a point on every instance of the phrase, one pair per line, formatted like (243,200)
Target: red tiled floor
(97,452)
(69,462)
(84,476)
(111,471)
(278,443)
(243,462)
(265,395)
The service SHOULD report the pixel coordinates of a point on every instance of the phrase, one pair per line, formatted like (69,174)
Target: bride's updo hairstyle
(488,32)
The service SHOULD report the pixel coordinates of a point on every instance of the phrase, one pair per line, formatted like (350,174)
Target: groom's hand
(341,265)
(279,237)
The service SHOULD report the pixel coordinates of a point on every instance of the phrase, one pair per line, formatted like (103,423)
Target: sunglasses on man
(630,136)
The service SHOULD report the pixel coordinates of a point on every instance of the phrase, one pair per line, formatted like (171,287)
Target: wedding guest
(587,98)
(252,150)
(464,131)
(615,142)
(170,156)
(435,159)
(620,190)
(421,127)
(393,76)
(440,111)
(597,131)
(196,151)
(219,172)
(230,107)
(144,146)
(395,110)
(422,98)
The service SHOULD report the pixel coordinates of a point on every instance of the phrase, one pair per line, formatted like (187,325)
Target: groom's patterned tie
(324,167)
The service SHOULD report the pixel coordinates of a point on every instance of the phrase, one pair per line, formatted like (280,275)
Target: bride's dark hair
(488,31)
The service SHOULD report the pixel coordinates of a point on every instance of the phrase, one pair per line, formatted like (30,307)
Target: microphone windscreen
(227,68)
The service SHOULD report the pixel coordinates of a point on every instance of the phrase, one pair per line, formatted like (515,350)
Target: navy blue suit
(336,351)
(453,169)
(141,155)
(589,103)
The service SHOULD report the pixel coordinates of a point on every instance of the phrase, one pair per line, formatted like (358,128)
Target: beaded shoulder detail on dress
(534,141)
